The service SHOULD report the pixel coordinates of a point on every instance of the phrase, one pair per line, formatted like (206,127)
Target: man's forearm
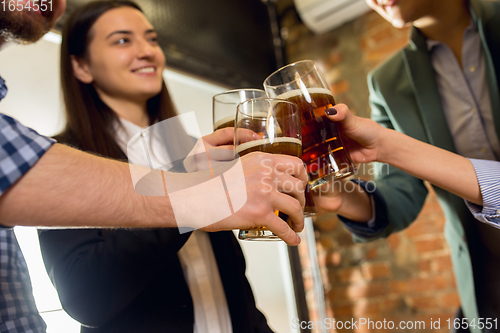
(356,204)
(345,198)
(67,187)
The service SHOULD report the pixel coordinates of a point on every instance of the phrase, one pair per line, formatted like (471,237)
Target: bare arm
(440,167)
(367,141)
(345,198)
(67,187)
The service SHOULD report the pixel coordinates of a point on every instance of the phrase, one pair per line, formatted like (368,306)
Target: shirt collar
(471,28)
(124,131)
(3,88)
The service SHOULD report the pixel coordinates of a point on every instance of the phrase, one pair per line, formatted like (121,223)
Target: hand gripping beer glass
(277,122)
(322,150)
(224,105)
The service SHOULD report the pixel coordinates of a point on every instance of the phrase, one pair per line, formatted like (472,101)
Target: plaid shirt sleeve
(488,176)
(20,149)
(18,311)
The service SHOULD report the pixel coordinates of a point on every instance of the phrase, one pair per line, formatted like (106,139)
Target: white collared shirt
(211,313)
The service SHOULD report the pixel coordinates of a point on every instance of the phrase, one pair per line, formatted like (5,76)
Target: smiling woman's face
(124,59)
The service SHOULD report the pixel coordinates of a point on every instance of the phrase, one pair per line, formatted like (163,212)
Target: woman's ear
(81,70)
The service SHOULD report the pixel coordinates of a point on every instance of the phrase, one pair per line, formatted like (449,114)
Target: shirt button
(484,150)
(472,69)
(473,110)
(143,134)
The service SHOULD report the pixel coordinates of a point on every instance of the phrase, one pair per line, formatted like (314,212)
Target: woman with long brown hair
(147,280)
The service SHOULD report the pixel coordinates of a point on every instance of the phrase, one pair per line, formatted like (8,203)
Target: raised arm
(67,187)
(54,185)
(368,141)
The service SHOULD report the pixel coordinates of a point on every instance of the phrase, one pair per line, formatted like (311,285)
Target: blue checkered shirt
(20,149)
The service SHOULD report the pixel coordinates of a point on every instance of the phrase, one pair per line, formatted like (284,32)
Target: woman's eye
(122,41)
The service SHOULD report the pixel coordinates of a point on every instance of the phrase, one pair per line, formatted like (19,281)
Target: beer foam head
(298,92)
(261,142)
(224,120)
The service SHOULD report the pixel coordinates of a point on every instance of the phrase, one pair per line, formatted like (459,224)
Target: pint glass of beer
(224,105)
(322,150)
(277,122)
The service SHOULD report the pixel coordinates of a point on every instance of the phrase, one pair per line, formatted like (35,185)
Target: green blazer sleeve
(404,195)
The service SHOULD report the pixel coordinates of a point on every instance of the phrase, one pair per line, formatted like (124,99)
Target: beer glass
(322,150)
(224,105)
(277,122)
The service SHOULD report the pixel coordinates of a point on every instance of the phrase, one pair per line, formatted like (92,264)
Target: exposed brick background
(409,275)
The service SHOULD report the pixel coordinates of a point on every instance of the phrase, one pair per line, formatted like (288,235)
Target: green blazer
(404,96)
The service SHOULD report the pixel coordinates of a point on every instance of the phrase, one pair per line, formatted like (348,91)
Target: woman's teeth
(146,70)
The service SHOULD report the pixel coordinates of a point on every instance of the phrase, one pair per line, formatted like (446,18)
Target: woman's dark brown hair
(89,120)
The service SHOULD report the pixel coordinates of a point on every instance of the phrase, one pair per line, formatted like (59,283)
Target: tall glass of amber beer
(322,150)
(277,122)
(224,105)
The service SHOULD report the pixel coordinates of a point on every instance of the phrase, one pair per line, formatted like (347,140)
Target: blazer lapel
(421,73)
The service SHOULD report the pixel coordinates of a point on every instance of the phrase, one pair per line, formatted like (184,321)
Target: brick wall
(409,275)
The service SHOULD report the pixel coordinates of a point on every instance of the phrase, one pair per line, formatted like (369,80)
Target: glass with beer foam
(323,152)
(224,105)
(277,122)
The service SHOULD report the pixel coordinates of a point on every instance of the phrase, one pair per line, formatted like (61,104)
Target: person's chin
(147,93)
(395,17)
(24,27)
(398,23)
